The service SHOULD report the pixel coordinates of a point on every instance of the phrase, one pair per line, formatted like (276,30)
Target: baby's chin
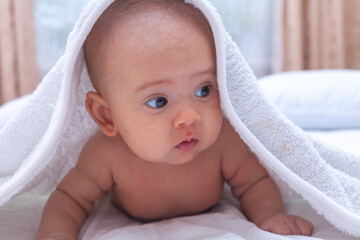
(175,157)
(179,157)
(180,160)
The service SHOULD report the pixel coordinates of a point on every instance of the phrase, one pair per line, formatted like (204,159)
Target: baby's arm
(259,197)
(73,199)
(262,203)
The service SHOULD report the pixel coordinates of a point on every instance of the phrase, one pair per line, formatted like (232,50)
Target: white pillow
(322,99)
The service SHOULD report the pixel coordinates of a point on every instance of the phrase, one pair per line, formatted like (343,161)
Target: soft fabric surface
(43,142)
(10,109)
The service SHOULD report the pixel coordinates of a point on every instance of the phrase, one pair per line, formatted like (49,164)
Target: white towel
(43,141)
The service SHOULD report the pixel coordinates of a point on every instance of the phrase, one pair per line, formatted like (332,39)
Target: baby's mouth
(187,145)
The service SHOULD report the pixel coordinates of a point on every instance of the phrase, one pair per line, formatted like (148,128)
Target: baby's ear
(100,112)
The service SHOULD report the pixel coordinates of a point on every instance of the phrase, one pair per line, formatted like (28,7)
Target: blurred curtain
(321,34)
(18,68)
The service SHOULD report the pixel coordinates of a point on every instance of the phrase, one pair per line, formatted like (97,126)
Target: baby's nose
(186,117)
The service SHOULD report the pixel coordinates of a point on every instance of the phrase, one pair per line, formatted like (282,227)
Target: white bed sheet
(20,218)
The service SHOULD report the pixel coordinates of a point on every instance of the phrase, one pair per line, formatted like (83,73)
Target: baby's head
(153,65)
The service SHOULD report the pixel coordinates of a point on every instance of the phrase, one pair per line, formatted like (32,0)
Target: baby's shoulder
(97,144)
(94,168)
(230,142)
(99,149)
(228,136)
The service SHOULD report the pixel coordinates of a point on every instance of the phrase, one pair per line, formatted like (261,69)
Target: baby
(164,148)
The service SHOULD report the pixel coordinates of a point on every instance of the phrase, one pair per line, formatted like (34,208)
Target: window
(248,21)
(54,19)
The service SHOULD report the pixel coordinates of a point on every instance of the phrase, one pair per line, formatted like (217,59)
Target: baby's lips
(187,145)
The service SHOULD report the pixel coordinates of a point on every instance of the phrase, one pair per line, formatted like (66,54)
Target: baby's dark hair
(125,9)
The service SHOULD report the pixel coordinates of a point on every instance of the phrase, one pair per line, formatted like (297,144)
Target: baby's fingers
(306,228)
(287,225)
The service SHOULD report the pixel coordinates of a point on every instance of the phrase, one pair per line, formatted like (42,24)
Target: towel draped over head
(42,142)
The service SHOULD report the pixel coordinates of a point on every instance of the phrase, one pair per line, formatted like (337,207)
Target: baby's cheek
(149,141)
(216,123)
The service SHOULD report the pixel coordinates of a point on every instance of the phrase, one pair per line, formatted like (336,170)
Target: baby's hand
(287,225)
(57,236)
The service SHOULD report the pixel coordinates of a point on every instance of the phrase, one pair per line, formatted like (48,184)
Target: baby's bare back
(151,191)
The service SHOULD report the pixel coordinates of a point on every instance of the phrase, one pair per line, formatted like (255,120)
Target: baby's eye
(158,102)
(203,91)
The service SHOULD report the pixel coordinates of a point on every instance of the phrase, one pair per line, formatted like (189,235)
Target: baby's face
(162,91)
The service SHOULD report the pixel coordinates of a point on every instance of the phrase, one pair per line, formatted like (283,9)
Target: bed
(329,111)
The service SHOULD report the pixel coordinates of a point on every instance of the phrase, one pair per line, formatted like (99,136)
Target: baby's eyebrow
(211,70)
(152,83)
